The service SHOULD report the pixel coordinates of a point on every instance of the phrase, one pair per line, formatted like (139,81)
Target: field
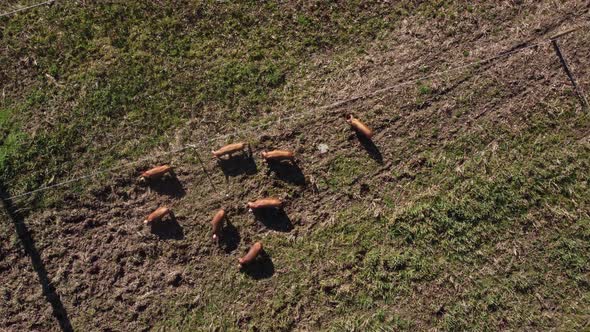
(468,210)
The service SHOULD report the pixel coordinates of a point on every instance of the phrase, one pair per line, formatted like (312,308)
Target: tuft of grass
(344,170)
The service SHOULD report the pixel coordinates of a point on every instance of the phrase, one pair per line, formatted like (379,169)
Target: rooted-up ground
(469,212)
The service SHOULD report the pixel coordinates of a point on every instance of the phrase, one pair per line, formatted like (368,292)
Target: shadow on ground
(275,219)
(237,165)
(230,237)
(287,171)
(169,186)
(371,148)
(261,268)
(168,229)
(24,235)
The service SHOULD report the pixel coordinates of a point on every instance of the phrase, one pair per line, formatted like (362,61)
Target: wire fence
(267,122)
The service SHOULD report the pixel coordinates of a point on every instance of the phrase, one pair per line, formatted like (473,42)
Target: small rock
(323,148)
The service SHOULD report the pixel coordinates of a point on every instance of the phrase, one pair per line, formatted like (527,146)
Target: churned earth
(469,209)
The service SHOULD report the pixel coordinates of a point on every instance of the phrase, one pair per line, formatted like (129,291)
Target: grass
(487,229)
(118,87)
(476,253)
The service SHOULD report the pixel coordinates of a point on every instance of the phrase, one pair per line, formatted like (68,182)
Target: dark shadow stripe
(59,312)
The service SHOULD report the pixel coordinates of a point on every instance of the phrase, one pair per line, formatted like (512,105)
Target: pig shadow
(261,268)
(230,237)
(287,171)
(168,228)
(168,185)
(370,147)
(239,164)
(274,219)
